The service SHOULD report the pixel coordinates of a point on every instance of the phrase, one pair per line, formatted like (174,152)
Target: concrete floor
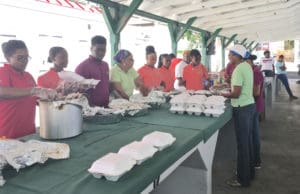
(280,139)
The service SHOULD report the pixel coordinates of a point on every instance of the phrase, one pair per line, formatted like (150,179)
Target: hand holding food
(220,89)
(44,93)
(66,87)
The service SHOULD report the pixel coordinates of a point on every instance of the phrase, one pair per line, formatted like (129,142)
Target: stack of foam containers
(179,103)
(113,165)
(214,106)
(198,104)
(195,104)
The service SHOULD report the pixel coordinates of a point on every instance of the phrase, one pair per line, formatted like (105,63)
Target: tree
(194,38)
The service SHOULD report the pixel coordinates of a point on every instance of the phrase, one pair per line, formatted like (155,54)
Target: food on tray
(87,110)
(202,92)
(220,88)
(128,107)
(153,98)
(72,82)
(21,154)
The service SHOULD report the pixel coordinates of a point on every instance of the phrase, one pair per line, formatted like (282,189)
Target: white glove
(44,93)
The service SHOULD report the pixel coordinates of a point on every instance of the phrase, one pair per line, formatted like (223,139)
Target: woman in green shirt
(124,78)
(243,105)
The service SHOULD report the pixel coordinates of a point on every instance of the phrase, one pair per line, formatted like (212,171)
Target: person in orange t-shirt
(59,57)
(149,75)
(167,76)
(195,73)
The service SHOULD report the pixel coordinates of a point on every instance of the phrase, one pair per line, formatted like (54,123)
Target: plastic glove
(66,87)
(44,93)
(87,84)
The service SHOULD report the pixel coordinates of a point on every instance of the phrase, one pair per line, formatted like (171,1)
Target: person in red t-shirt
(56,78)
(195,73)
(17,91)
(229,69)
(151,76)
(59,57)
(258,84)
(167,76)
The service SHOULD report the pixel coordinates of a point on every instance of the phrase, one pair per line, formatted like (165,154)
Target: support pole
(213,36)
(223,51)
(177,32)
(231,39)
(244,41)
(249,46)
(116,18)
(204,58)
(254,47)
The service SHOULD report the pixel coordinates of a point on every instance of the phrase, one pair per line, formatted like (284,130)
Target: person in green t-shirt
(124,78)
(243,105)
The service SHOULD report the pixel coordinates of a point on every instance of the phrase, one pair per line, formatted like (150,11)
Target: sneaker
(293,98)
(257,167)
(234,183)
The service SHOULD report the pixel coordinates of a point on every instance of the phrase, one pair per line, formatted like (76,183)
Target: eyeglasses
(23,58)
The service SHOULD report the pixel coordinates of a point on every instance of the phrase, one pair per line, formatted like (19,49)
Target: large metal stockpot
(58,123)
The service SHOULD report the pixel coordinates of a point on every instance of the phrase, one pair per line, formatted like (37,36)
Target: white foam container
(213,112)
(139,151)
(112,166)
(177,109)
(160,140)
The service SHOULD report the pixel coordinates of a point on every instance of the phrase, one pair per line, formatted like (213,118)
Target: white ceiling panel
(255,20)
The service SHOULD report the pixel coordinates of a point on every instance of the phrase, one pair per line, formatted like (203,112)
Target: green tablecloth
(207,125)
(70,176)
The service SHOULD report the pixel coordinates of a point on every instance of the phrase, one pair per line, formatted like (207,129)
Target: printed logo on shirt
(267,60)
(200,73)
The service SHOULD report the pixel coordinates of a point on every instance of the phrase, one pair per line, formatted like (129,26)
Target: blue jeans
(256,139)
(283,78)
(243,121)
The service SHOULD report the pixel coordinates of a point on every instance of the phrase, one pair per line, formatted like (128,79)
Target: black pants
(269,73)
(243,121)
(256,139)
